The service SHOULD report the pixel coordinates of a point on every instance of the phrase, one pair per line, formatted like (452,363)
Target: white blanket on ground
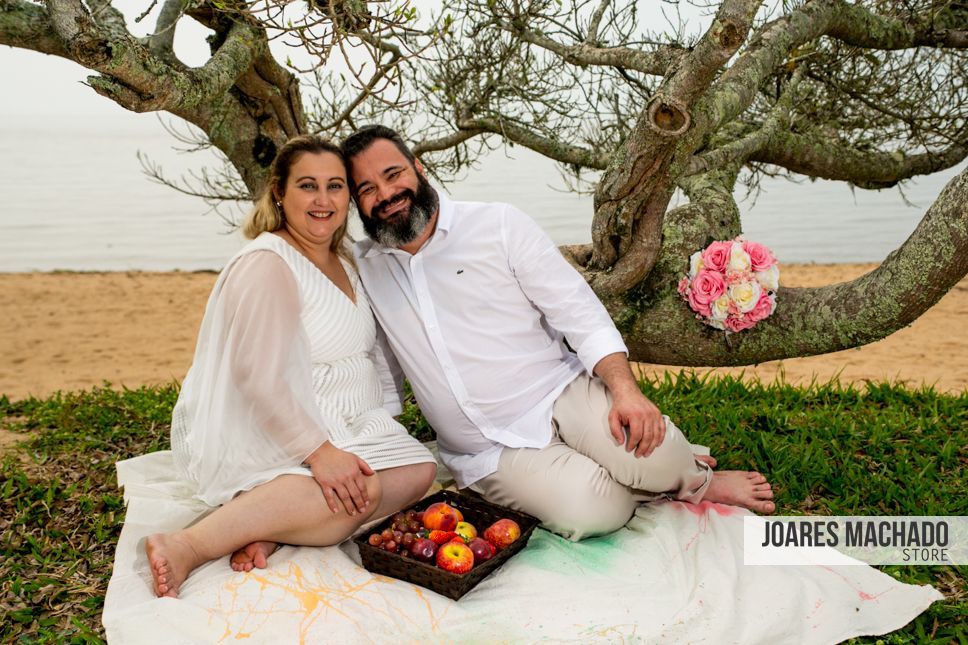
(674,574)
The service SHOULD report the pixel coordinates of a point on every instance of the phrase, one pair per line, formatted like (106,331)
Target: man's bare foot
(709,460)
(252,555)
(741,488)
(172,559)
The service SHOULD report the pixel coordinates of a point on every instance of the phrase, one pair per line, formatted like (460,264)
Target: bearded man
(475,303)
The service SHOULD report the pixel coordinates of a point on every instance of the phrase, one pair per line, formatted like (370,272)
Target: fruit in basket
(440,516)
(466,530)
(390,545)
(375,539)
(482,550)
(424,549)
(455,557)
(502,533)
(440,537)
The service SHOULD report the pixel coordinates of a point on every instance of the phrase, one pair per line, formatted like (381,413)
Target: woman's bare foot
(172,559)
(252,555)
(741,488)
(709,460)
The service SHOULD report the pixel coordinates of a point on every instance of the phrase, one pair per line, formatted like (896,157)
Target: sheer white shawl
(247,410)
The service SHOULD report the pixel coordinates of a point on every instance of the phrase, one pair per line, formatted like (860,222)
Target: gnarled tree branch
(27,26)
(855,25)
(818,156)
(635,189)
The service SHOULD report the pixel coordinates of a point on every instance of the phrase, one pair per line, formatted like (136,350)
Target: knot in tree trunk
(668,116)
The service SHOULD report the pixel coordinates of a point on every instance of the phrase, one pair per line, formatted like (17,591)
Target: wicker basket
(478,512)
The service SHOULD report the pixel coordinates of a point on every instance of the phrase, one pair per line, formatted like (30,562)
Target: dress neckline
(350,274)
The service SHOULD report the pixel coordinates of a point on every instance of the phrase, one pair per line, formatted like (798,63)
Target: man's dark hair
(365,136)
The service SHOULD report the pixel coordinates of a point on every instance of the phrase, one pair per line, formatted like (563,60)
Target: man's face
(395,200)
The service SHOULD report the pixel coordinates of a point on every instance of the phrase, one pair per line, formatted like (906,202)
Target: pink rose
(764,307)
(761,258)
(715,257)
(683,287)
(739,323)
(704,309)
(707,286)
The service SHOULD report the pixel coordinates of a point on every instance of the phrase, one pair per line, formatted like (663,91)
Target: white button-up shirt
(477,319)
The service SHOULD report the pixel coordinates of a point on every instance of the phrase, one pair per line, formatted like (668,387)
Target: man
(475,302)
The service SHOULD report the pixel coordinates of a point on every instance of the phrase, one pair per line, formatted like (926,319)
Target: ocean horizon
(76,199)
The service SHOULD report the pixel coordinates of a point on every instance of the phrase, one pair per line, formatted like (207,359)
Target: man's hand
(341,475)
(633,413)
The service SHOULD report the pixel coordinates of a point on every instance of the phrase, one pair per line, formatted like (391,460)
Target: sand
(71,331)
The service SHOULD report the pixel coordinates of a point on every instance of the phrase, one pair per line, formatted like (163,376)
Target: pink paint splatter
(816,607)
(702,508)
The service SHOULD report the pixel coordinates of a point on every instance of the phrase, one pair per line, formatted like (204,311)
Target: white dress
(283,363)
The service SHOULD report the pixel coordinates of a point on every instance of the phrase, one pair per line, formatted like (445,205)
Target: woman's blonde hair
(267,215)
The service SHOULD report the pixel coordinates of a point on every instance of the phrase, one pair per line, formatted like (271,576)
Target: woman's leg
(401,486)
(290,508)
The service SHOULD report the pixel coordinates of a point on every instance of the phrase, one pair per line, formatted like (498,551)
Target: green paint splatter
(551,552)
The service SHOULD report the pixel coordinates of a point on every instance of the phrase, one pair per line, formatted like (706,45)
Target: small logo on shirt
(459,271)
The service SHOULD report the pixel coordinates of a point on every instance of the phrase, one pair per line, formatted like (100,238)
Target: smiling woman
(280,420)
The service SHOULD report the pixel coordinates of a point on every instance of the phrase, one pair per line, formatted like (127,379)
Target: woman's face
(317,198)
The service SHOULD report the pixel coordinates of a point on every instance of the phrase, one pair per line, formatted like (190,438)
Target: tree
(871,93)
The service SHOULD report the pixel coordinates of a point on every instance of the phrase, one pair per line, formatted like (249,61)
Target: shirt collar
(445,217)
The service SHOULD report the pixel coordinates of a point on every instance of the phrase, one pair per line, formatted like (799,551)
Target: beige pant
(583,484)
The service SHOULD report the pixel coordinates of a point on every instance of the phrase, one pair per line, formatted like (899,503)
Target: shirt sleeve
(389,371)
(559,291)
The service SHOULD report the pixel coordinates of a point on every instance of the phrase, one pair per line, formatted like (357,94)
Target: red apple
(423,549)
(440,516)
(482,550)
(502,533)
(455,557)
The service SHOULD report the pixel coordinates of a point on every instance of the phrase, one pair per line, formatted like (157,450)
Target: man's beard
(405,226)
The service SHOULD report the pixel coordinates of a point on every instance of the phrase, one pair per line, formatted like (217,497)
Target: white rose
(720,308)
(745,295)
(739,260)
(769,279)
(695,264)
(716,324)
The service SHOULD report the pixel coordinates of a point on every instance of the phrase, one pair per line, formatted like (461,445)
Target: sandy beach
(71,331)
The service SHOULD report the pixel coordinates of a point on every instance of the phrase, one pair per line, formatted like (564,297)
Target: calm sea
(75,198)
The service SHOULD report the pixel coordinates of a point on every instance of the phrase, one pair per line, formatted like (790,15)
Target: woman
(279,421)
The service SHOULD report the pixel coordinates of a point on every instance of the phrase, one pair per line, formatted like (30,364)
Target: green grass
(829,450)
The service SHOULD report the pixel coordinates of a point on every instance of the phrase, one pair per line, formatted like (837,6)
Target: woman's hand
(341,475)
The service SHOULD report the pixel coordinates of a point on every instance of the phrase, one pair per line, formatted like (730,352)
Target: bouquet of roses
(732,284)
